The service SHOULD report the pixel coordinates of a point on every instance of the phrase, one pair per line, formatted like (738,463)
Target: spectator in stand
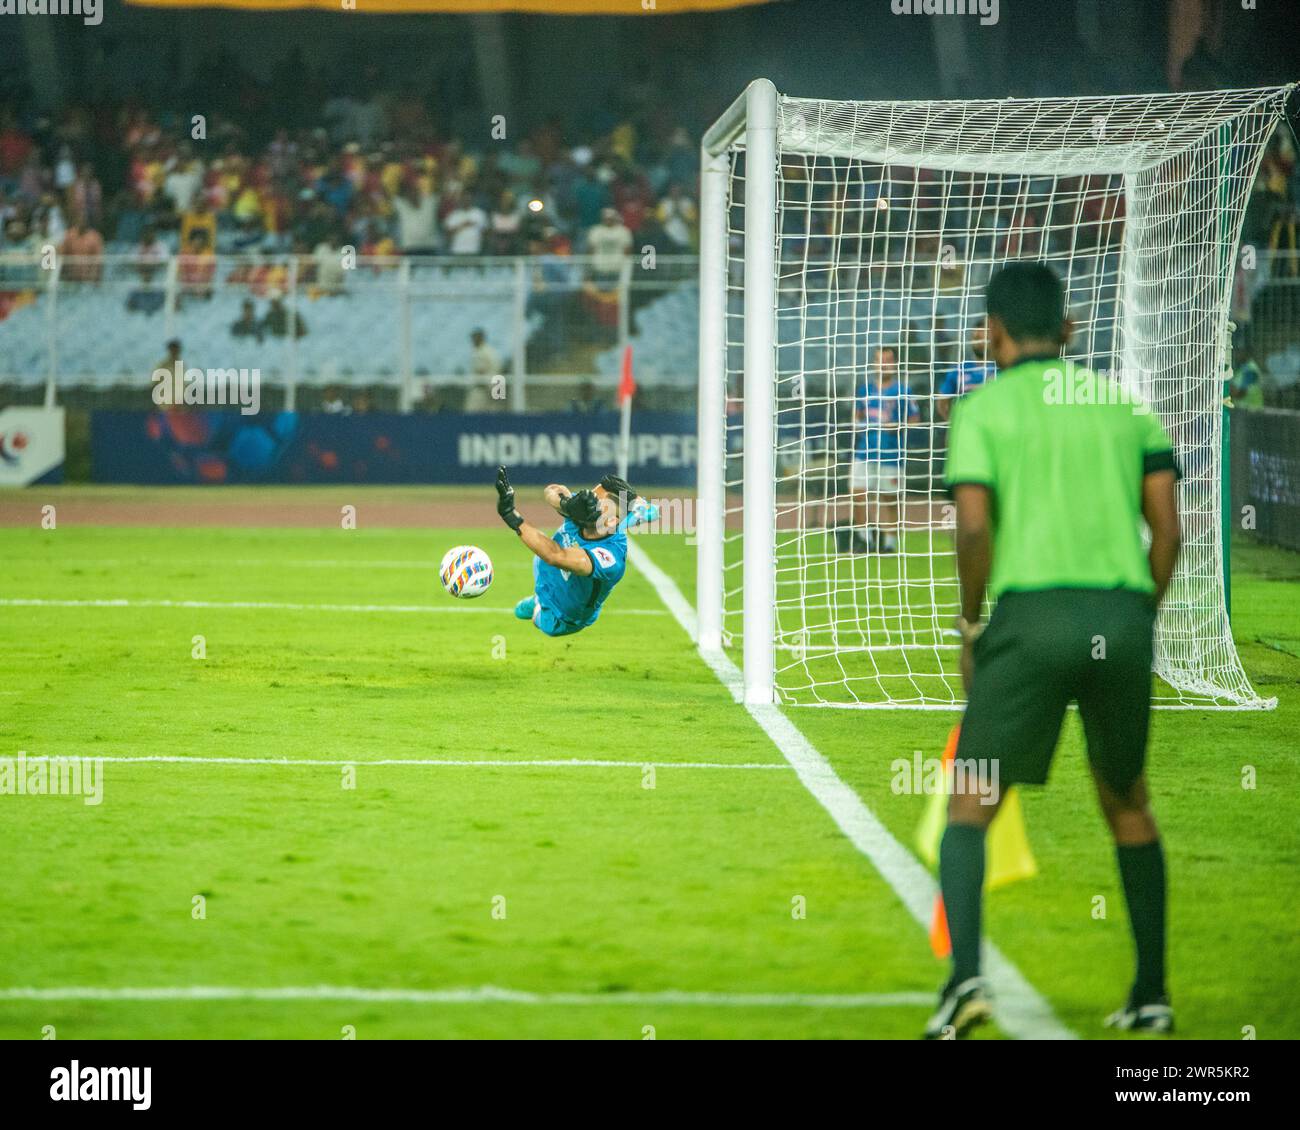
(608,243)
(553,288)
(1247,385)
(48,221)
(247,325)
(85,195)
(171,360)
(199,218)
(432,400)
(328,260)
(15,145)
(332,403)
(586,403)
(1279,204)
(65,169)
(196,266)
(316,223)
(246,206)
(677,218)
(336,189)
(278,319)
(591,198)
(464,226)
(83,246)
(151,254)
(184,178)
(18,240)
(506,227)
(377,243)
(633,198)
(485,371)
(33,178)
(417,219)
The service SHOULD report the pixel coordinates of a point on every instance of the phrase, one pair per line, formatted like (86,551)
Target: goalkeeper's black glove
(582,508)
(506,501)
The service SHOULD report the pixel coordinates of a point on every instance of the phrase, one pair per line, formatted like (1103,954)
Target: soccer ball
(466,571)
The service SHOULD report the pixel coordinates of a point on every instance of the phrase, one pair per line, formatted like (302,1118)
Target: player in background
(576,568)
(966,376)
(881,412)
(1247,384)
(1051,494)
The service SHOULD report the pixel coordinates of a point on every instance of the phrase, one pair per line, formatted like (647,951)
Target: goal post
(839,239)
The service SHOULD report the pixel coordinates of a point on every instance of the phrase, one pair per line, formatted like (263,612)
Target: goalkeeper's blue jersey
(573,598)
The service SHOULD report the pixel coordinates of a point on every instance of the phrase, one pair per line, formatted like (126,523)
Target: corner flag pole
(626,390)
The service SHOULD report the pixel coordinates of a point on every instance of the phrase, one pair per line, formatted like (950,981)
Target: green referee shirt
(1064,452)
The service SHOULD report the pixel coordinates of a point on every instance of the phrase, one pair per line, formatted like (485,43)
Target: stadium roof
(461,7)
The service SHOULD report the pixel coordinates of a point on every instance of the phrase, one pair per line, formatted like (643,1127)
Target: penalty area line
(282,606)
(482,994)
(1021,1011)
(455,762)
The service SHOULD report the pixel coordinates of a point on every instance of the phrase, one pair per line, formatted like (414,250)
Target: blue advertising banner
(179,446)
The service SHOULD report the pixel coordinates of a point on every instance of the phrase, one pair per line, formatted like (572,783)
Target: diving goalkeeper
(576,568)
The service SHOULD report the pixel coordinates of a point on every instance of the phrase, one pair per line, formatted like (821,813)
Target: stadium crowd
(370,166)
(373,173)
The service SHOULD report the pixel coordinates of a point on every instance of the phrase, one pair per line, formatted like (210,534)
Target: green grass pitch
(577,883)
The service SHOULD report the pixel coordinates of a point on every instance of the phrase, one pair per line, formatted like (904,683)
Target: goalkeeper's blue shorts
(546,621)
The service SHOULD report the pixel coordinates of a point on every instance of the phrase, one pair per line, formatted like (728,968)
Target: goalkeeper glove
(583,508)
(506,501)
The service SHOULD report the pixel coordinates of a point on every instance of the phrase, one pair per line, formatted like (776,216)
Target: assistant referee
(1053,469)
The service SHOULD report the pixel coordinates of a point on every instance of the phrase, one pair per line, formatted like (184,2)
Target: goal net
(846,245)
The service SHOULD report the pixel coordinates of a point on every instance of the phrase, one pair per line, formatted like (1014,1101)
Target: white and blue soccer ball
(466,571)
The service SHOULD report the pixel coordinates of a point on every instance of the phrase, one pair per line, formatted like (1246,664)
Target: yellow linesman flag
(1009,857)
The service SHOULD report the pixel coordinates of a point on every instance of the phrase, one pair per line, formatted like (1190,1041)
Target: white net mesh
(891,218)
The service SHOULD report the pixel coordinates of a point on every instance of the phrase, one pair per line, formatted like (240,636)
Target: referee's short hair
(1028,299)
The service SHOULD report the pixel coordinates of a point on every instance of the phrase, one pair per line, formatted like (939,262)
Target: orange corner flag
(627,383)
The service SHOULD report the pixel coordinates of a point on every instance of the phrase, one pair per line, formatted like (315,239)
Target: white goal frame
(755,125)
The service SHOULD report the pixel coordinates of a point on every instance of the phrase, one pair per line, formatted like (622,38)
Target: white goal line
(482,994)
(1019,1009)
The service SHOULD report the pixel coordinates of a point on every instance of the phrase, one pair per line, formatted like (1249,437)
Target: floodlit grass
(542,879)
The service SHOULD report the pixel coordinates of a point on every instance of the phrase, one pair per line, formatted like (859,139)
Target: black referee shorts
(1043,650)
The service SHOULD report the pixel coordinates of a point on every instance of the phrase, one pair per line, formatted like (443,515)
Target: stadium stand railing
(99,326)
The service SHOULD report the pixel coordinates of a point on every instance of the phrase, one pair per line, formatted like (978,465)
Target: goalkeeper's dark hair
(620,489)
(1028,299)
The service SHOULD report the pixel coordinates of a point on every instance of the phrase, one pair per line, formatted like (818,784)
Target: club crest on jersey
(603,556)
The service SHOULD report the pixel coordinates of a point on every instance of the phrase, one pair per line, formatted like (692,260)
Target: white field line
(1020,1010)
(279,563)
(283,606)
(358,763)
(483,994)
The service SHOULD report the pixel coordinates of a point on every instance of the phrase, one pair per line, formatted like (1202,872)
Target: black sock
(1142,871)
(961,878)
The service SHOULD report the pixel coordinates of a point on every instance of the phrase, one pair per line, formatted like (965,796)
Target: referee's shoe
(1155,1016)
(961,1008)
